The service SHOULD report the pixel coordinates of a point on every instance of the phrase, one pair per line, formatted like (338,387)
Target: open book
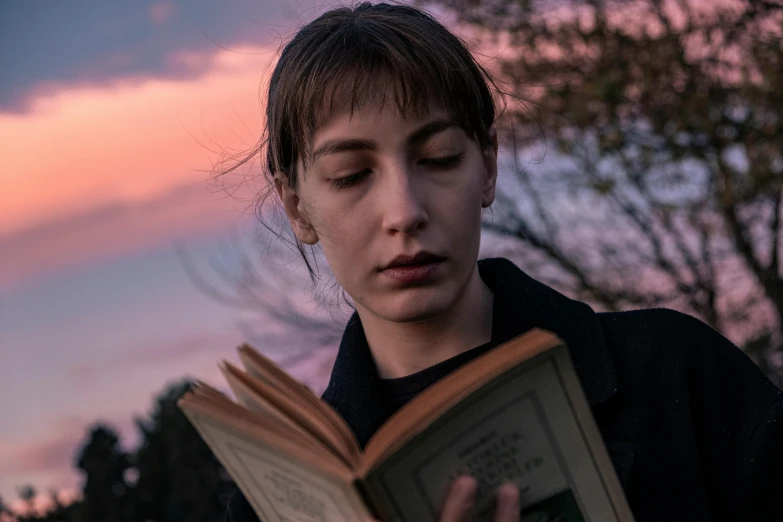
(515,413)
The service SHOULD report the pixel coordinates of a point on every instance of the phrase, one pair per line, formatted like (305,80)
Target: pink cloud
(160,12)
(187,348)
(116,229)
(45,455)
(53,454)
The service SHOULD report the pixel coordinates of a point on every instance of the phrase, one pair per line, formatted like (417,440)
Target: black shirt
(693,428)
(395,393)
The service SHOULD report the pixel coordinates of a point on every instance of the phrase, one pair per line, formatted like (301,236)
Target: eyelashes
(444,163)
(349,181)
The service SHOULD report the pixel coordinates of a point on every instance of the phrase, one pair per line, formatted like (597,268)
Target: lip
(413,273)
(412,269)
(420,258)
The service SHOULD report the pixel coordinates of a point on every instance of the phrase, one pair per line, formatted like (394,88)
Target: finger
(507,505)
(460,500)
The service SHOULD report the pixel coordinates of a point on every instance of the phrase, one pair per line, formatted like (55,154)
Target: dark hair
(350,56)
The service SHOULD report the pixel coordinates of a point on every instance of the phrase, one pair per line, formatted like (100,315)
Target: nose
(401,203)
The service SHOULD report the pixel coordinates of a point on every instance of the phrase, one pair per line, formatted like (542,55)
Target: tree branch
(774,266)
(523,233)
(739,233)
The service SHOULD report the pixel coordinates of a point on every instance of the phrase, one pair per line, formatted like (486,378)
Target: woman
(381,148)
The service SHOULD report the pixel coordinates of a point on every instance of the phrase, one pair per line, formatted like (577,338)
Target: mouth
(419,269)
(418,259)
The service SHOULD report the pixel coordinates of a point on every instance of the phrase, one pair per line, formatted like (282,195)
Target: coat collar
(353,386)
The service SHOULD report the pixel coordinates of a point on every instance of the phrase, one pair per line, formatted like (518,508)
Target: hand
(461,496)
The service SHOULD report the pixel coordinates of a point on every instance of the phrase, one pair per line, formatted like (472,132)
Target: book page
(280,488)
(531,425)
(272,376)
(260,397)
(247,397)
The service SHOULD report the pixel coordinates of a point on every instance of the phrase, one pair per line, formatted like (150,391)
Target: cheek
(459,208)
(345,235)
(340,227)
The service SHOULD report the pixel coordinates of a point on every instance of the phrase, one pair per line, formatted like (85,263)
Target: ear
(303,229)
(491,167)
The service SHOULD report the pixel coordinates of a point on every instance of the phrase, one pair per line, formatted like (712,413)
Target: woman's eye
(349,181)
(446,162)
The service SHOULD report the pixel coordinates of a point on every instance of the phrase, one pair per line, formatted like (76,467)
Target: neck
(401,349)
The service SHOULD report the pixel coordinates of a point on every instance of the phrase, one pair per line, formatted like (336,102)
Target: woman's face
(378,186)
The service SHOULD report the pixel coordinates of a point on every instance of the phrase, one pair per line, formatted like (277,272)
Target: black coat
(694,429)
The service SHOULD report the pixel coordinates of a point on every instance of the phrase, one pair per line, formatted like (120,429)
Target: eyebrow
(418,137)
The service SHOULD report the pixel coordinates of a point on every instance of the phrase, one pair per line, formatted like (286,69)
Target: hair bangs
(350,58)
(415,64)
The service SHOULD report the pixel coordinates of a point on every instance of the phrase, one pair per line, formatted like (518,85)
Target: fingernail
(508,500)
(465,487)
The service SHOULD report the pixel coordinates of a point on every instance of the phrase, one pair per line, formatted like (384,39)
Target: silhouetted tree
(171,477)
(27,494)
(6,515)
(177,479)
(103,462)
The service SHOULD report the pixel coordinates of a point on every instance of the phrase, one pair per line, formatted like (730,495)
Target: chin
(415,306)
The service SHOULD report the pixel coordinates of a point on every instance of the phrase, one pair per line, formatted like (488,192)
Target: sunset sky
(111,117)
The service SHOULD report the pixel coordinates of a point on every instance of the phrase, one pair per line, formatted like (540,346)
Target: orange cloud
(84,148)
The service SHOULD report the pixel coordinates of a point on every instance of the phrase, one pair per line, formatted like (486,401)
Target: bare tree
(662,124)
(285,315)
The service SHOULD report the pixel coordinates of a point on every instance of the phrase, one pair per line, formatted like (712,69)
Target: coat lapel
(353,386)
(533,304)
